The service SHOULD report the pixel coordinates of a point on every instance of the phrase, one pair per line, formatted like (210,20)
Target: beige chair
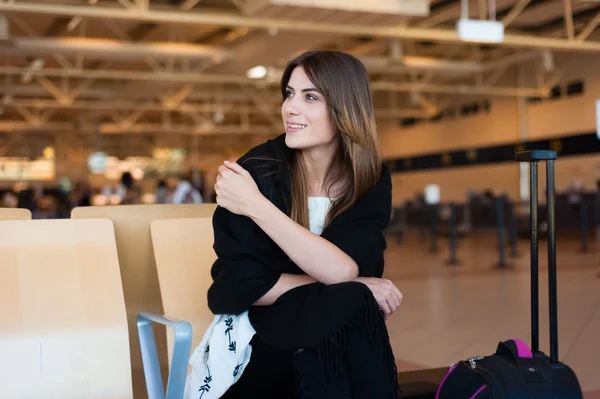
(184,256)
(138,268)
(63,329)
(15,214)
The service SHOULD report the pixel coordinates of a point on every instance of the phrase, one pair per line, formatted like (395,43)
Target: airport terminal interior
(115,116)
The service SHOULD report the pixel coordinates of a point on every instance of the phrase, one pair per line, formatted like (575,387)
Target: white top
(224,352)
(317,211)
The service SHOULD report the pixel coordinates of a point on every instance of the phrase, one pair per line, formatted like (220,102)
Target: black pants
(269,375)
(273,374)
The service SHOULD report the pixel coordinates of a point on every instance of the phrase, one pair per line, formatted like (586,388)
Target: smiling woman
(334,103)
(299,240)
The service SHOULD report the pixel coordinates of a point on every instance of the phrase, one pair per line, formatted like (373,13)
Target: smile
(296,126)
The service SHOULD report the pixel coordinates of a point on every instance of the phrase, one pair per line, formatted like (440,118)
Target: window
(575,87)
(533,100)
(408,122)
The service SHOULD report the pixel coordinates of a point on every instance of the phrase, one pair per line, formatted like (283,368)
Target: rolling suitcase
(515,371)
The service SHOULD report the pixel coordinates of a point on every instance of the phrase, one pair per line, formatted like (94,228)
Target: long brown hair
(344,82)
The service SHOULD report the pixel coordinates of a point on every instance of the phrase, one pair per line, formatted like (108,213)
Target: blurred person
(132,196)
(26,200)
(124,189)
(575,190)
(46,207)
(162,192)
(80,195)
(9,200)
(299,243)
(186,193)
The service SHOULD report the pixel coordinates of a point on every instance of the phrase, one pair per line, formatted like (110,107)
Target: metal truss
(180,69)
(234,20)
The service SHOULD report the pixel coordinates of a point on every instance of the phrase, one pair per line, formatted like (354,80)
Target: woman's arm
(285,283)
(237,191)
(316,256)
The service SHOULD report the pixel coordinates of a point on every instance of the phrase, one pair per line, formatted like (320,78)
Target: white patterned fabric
(220,359)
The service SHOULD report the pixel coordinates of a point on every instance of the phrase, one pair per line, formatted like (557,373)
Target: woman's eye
(310,97)
(288,94)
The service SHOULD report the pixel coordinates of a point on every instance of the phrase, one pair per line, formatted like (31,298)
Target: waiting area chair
(63,333)
(184,256)
(15,214)
(138,267)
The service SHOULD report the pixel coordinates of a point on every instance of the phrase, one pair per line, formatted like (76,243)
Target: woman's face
(306,114)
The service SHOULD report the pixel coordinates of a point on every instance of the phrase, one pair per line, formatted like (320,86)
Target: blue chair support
(179,361)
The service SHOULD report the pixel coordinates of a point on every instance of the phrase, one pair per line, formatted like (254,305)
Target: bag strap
(515,349)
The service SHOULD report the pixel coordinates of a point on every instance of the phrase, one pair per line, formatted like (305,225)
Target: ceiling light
(219,117)
(37,64)
(258,72)
(478,31)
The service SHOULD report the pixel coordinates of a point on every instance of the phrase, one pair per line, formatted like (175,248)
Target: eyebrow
(305,90)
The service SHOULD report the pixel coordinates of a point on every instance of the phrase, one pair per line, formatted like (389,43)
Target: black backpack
(515,371)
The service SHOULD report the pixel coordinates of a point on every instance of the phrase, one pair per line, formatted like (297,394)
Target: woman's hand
(386,294)
(236,189)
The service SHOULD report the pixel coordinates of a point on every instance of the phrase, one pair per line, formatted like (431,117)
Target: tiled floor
(450,313)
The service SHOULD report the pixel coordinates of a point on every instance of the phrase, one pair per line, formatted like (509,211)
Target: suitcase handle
(533,157)
(515,349)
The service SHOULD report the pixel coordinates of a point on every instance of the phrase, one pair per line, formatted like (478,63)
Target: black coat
(315,315)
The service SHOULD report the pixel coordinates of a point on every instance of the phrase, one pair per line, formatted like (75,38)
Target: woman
(298,236)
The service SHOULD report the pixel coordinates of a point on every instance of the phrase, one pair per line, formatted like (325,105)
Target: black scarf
(311,316)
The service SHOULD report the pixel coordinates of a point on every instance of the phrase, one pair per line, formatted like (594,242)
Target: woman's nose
(289,108)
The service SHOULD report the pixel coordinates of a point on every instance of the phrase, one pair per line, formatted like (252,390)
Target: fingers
(394,296)
(385,308)
(235,167)
(399,296)
(222,169)
(391,305)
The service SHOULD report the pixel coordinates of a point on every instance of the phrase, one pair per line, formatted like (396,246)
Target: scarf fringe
(369,321)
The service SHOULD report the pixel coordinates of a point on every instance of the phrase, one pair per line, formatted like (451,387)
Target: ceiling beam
(569,19)
(518,57)
(16,126)
(387,65)
(515,12)
(590,27)
(108,92)
(111,49)
(460,89)
(109,74)
(186,108)
(231,19)
(116,49)
(182,77)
